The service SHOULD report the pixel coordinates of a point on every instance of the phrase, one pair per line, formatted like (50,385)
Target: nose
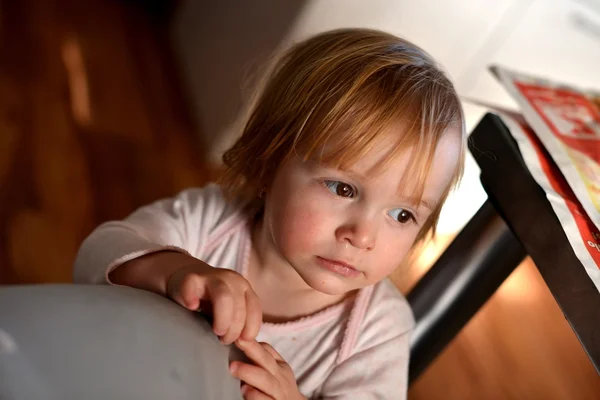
(360,233)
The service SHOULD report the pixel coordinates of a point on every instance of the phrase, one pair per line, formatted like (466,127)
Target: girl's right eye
(341,189)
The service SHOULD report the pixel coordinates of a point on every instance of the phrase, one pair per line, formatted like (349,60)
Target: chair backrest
(79,342)
(475,264)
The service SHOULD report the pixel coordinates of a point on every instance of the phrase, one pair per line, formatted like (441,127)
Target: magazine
(567,122)
(582,234)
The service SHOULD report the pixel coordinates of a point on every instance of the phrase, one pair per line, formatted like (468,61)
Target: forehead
(395,174)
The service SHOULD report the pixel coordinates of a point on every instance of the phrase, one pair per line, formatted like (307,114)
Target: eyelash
(411,216)
(331,185)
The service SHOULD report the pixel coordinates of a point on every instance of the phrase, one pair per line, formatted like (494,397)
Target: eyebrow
(356,175)
(427,204)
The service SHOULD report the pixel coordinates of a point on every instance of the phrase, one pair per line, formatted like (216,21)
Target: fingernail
(218,332)
(233,368)
(244,389)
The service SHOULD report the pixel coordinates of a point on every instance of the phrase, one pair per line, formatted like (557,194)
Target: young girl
(350,150)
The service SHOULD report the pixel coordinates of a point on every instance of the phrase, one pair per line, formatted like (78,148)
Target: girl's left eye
(341,189)
(403,216)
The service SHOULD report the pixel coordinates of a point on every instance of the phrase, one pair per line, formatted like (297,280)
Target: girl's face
(342,230)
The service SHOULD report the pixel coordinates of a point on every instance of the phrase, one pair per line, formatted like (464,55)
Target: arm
(152,271)
(153,249)
(169,226)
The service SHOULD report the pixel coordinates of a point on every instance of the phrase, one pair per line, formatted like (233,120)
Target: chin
(327,284)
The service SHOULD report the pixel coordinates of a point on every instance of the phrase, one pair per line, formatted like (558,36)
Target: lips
(339,267)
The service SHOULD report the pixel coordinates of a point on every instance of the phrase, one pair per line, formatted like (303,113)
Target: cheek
(299,224)
(391,253)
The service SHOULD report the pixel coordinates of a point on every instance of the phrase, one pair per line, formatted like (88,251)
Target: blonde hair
(345,89)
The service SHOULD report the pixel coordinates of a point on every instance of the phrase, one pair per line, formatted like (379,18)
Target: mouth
(338,267)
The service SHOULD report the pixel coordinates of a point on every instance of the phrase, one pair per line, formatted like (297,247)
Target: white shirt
(357,349)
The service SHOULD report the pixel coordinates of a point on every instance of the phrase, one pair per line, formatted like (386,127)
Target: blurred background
(106,105)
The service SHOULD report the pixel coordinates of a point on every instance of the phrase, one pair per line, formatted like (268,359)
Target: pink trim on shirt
(356,318)
(225,229)
(333,312)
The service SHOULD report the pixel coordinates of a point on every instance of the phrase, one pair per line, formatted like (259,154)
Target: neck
(270,266)
(284,295)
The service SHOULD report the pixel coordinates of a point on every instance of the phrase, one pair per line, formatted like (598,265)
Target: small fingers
(238,319)
(252,393)
(257,377)
(253,316)
(222,300)
(284,368)
(183,289)
(271,350)
(259,355)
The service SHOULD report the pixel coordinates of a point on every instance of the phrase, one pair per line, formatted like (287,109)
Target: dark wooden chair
(516,220)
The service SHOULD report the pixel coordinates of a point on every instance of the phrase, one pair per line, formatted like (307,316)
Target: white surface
(451,31)
(464,202)
(545,42)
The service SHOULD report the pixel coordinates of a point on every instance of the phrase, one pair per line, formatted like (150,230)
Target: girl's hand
(234,306)
(271,377)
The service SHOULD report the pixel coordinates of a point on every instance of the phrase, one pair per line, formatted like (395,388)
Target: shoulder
(208,203)
(210,194)
(387,316)
(386,298)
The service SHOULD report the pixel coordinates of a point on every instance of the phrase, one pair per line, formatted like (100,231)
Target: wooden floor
(518,346)
(93,124)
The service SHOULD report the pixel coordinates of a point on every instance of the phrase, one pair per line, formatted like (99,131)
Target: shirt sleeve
(180,223)
(377,365)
